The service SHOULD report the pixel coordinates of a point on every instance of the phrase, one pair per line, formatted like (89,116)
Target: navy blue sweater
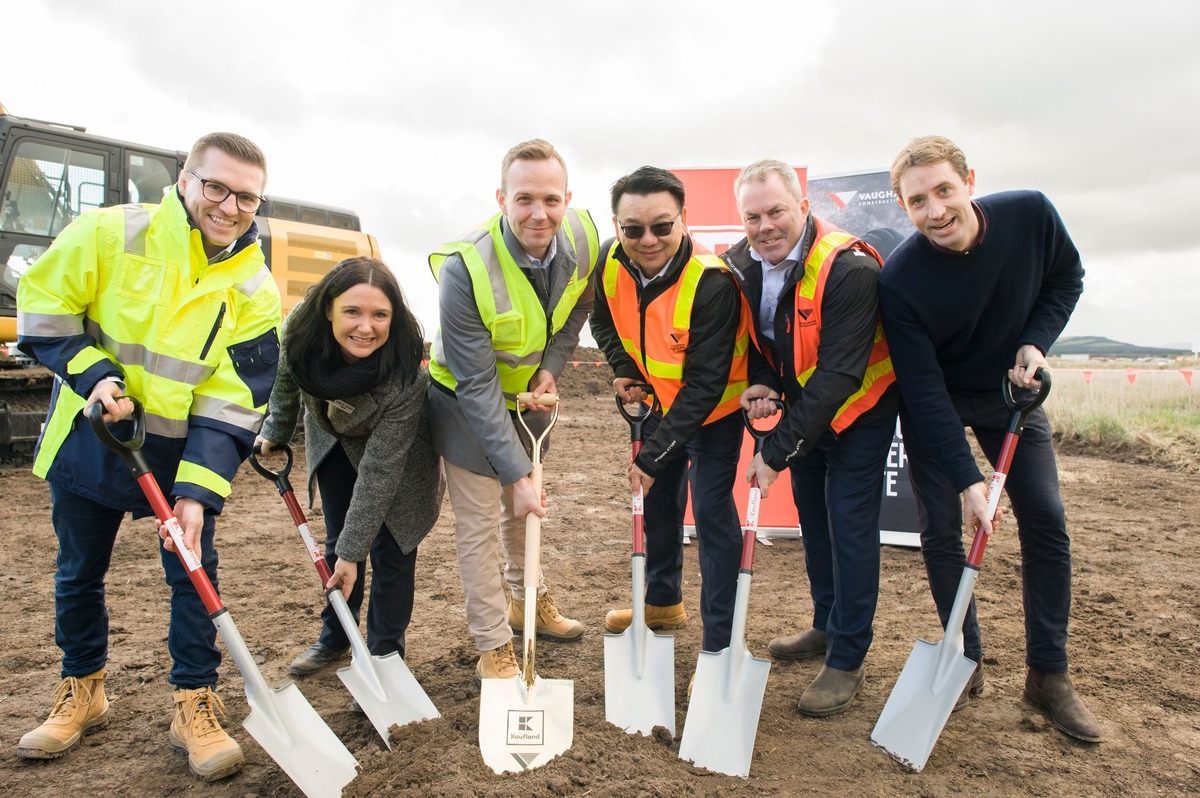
(954,321)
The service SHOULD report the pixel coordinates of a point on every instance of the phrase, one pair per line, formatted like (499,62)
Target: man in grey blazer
(513,296)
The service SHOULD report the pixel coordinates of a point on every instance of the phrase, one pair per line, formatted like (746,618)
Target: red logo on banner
(841,198)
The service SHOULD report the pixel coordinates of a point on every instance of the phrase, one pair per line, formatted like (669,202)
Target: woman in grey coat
(352,357)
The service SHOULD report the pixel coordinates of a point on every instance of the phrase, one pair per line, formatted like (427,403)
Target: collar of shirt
(774,279)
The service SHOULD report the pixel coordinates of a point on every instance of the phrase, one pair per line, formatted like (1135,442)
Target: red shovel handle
(636,421)
(131,452)
(284,486)
(1016,424)
(750,533)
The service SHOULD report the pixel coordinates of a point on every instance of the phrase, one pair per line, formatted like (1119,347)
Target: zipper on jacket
(212,336)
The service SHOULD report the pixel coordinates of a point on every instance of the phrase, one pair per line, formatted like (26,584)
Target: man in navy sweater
(983,290)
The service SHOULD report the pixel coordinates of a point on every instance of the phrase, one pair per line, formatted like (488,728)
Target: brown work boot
(80,707)
(831,692)
(550,622)
(499,663)
(973,687)
(809,643)
(1054,693)
(672,617)
(212,754)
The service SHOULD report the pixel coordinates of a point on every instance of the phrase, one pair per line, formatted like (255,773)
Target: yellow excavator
(50,173)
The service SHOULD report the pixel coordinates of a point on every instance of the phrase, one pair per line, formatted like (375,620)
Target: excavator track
(24,400)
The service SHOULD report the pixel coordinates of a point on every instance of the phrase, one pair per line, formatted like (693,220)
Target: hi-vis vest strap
(656,336)
(806,323)
(508,304)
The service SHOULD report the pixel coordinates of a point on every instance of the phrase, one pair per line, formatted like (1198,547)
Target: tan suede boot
(658,618)
(973,687)
(499,663)
(212,754)
(80,707)
(550,622)
(1054,693)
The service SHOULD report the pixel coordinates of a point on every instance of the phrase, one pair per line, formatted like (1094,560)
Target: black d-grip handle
(760,435)
(129,450)
(280,477)
(638,420)
(1021,410)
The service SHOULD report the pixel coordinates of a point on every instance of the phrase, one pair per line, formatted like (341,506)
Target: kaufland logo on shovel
(526,726)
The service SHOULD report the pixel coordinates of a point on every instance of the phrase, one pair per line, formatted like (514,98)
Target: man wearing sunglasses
(813,292)
(668,315)
(171,304)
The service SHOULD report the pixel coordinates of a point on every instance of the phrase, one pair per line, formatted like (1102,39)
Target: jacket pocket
(255,362)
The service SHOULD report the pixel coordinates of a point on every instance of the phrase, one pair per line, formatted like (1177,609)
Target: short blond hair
(926,151)
(237,147)
(759,171)
(532,150)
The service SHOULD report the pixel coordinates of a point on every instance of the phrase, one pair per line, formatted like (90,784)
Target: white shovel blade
(639,681)
(303,745)
(387,692)
(921,703)
(722,716)
(520,730)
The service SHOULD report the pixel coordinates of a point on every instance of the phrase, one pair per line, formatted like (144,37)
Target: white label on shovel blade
(526,726)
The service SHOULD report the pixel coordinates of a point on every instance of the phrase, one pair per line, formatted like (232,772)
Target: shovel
(282,721)
(382,685)
(935,674)
(526,721)
(639,666)
(727,696)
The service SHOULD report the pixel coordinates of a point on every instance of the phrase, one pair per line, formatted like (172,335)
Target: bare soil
(1135,640)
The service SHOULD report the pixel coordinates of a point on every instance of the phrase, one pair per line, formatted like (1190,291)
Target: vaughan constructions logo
(843,198)
(526,726)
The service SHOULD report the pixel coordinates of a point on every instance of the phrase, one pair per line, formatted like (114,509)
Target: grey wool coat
(385,435)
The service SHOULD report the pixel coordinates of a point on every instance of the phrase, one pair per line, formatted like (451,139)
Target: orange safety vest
(656,336)
(806,324)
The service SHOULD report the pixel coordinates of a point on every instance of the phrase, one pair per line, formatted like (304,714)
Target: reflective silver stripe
(248,287)
(160,365)
(226,412)
(137,222)
(49,325)
(512,360)
(166,427)
(491,263)
(579,240)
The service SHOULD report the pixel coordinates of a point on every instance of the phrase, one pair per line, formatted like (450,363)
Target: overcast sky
(402,111)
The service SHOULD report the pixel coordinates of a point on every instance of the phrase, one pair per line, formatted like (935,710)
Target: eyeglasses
(634,232)
(216,192)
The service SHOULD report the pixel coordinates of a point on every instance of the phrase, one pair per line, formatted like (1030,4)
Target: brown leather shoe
(1054,693)
(80,707)
(831,692)
(550,622)
(500,663)
(195,730)
(973,687)
(809,643)
(657,618)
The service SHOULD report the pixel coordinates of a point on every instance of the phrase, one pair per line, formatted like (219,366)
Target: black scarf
(329,378)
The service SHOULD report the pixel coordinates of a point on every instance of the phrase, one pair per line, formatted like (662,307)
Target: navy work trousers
(838,490)
(86,532)
(710,468)
(393,573)
(1032,488)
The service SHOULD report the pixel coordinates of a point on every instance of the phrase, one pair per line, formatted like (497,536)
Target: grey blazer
(385,434)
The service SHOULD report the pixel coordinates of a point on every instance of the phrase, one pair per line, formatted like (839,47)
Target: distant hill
(1096,346)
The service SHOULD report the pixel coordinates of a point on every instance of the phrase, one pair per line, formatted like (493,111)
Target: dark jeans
(86,532)
(710,468)
(838,490)
(1032,487)
(393,573)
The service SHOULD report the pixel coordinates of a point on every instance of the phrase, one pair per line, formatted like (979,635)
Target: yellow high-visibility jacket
(127,292)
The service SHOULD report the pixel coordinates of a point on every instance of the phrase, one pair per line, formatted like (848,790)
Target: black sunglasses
(634,232)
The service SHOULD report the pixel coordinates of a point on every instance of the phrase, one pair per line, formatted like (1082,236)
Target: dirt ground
(1135,641)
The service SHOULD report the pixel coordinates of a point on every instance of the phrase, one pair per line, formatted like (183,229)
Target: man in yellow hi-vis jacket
(173,305)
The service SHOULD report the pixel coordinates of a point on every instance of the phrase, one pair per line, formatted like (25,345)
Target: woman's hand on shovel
(191,518)
(345,574)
